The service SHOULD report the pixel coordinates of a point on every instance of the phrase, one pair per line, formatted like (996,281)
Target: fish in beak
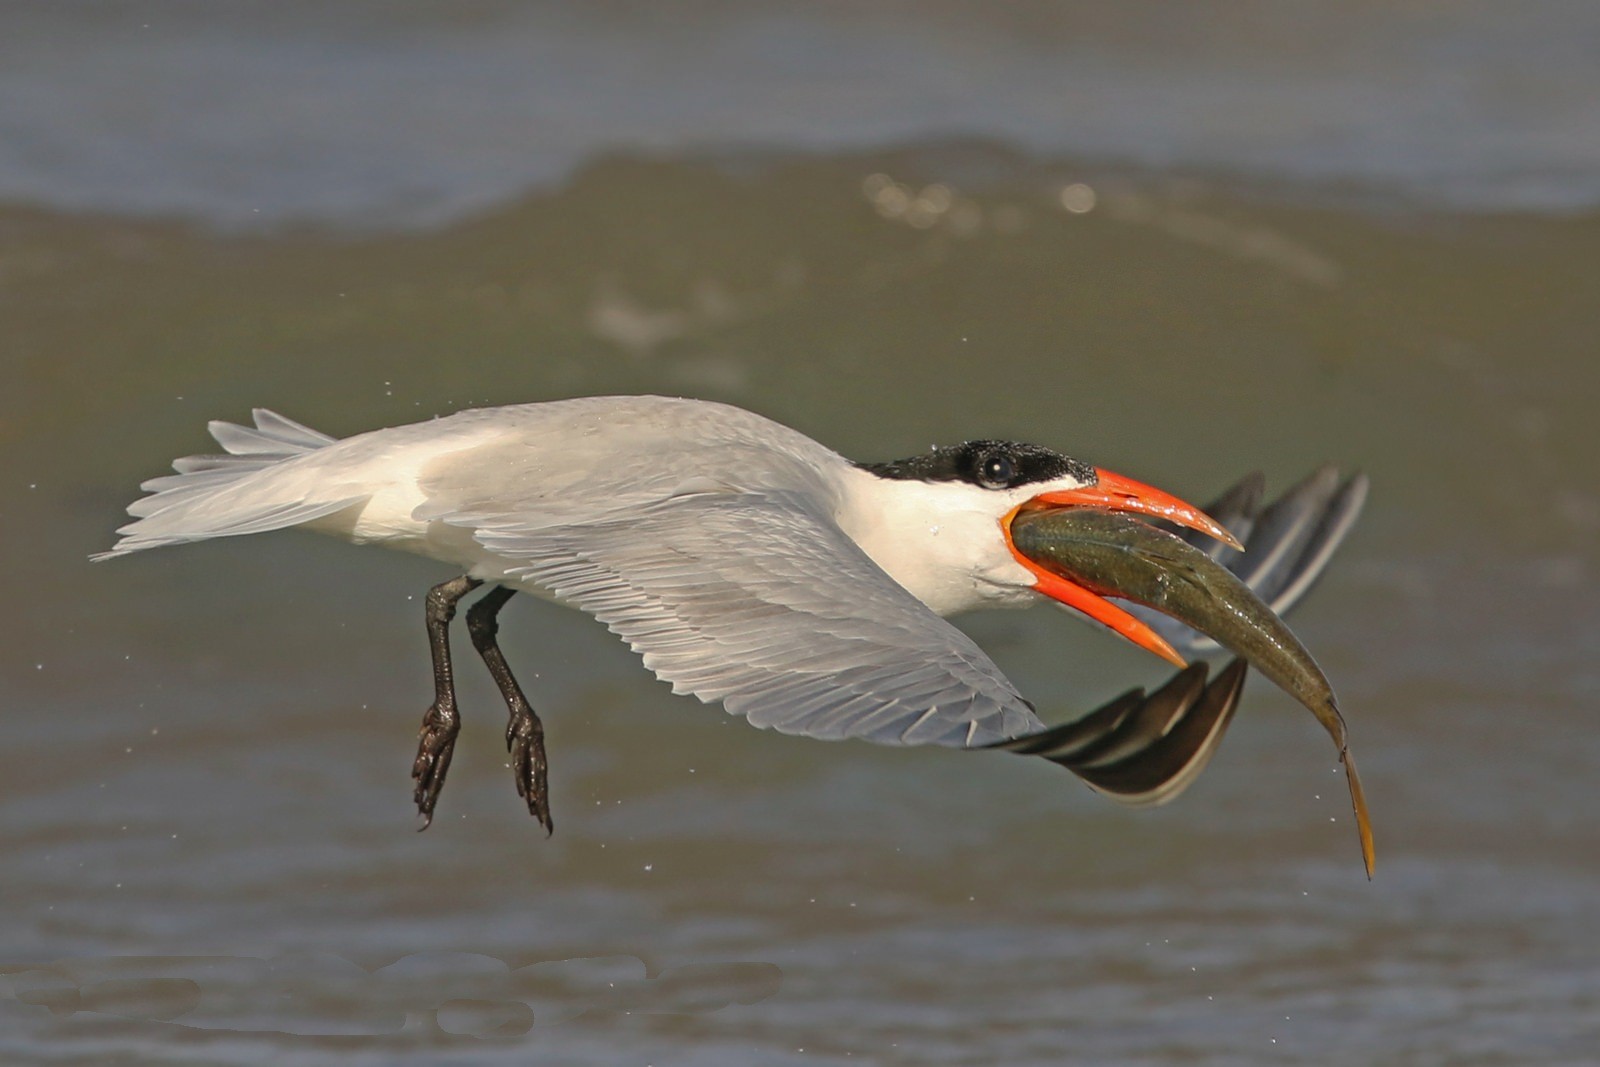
(1089,544)
(1114,493)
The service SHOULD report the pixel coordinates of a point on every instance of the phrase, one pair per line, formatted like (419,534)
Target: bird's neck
(940,540)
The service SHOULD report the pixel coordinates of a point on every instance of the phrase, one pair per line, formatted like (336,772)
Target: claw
(525,741)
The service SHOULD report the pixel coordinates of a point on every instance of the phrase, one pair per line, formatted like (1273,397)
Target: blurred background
(1184,243)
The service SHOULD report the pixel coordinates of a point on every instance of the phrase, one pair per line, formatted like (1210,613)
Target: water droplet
(1078,198)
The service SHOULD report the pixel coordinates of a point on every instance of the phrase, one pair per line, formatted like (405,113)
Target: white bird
(750,565)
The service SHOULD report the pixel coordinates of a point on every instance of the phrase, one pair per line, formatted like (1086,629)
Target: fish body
(1114,554)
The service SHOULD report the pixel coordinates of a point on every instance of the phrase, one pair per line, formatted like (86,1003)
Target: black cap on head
(987,464)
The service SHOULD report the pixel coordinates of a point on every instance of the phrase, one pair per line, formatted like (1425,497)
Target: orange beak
(1113,492)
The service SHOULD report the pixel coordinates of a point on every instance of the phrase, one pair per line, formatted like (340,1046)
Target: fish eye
(996,471)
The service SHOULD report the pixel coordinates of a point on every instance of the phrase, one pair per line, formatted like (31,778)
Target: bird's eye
(996,471)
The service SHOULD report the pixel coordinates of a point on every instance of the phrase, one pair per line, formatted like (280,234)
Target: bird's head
(1014,477)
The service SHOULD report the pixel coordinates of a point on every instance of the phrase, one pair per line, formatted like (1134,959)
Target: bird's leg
(524,732)
(436,741)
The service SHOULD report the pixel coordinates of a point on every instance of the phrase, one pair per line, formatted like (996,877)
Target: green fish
(1116,555)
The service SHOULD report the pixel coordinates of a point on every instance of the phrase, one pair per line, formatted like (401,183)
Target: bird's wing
(759,600)
(1287,544)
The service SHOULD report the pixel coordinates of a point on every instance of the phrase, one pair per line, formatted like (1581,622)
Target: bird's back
(548,463)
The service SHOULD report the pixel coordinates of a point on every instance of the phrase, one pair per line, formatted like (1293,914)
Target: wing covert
(759,601)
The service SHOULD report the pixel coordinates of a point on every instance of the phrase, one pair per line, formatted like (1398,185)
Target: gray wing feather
(1331,514)
(759,601)
(272,435)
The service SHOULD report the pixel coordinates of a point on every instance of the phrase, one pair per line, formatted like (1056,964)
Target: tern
(747,564)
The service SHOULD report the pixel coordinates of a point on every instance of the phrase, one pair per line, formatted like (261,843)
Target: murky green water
(207,748)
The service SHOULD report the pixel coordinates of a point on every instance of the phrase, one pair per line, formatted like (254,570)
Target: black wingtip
(1145,750)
